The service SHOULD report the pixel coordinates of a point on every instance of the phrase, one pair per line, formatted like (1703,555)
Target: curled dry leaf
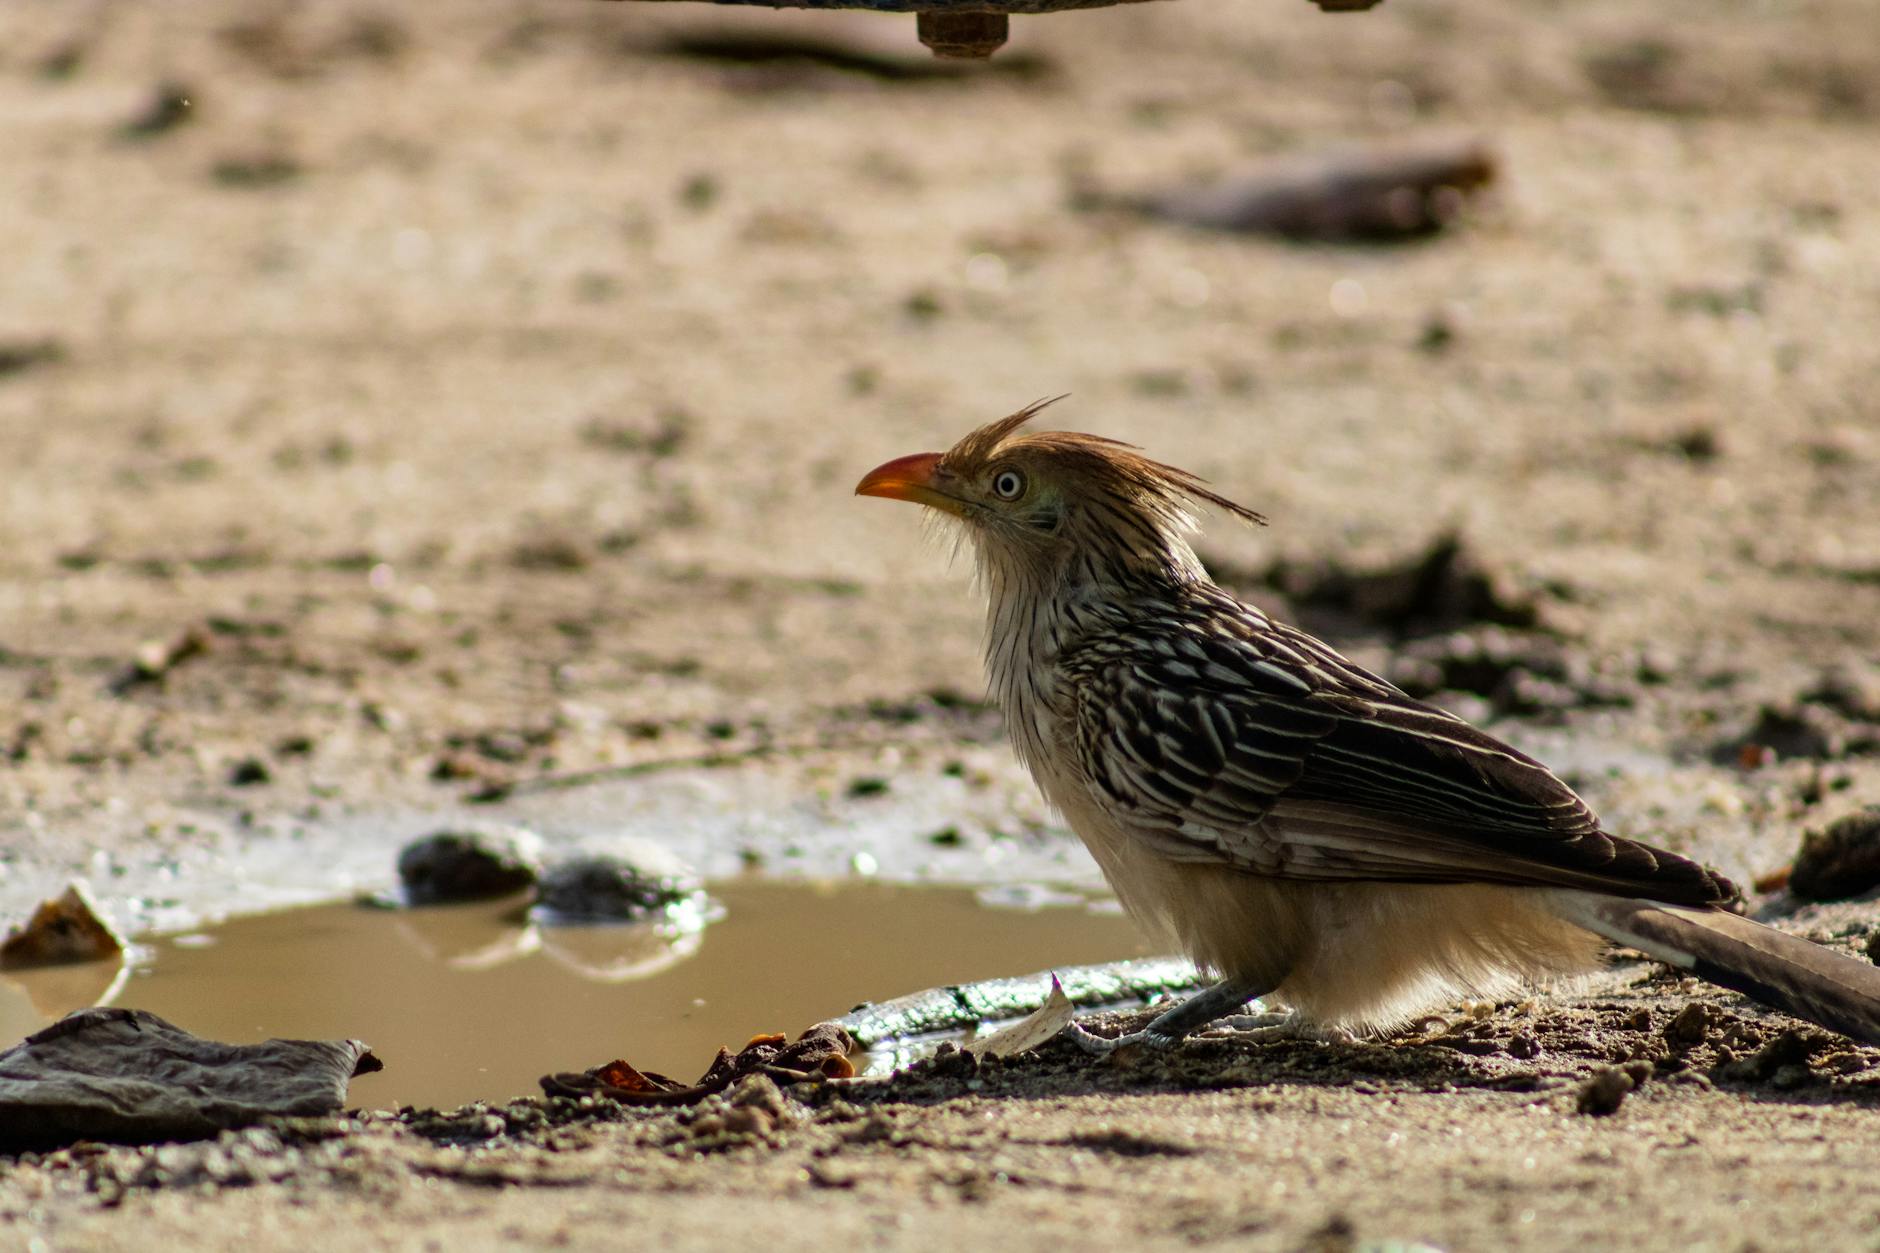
(1375,195)
(63,931)
(1029,1032)
(819,1053)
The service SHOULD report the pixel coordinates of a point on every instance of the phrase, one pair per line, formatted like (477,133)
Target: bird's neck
(1035,611)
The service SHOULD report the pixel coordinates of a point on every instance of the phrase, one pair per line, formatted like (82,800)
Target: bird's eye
(1008,485)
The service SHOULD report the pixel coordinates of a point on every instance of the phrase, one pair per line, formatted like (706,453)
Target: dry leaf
(1032,1030)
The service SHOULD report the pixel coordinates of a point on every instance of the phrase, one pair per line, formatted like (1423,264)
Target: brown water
(465,1003)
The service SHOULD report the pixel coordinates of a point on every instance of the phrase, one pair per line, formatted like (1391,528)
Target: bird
(1304,831)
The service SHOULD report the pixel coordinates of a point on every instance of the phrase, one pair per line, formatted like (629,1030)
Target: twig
(958,1006)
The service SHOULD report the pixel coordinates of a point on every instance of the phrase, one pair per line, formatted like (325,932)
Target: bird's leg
(1168,1027)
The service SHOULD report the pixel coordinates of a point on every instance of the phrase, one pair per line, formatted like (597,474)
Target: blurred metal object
(951,8)
(969,36)
(975,29)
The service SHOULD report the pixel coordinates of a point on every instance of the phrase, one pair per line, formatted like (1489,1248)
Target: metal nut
(974,36)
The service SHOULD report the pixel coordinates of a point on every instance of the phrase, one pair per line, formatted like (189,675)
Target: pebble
(468,865)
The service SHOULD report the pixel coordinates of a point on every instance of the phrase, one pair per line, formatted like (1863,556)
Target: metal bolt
(974,36)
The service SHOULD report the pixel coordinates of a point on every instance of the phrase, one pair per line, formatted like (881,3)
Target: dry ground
(483,384)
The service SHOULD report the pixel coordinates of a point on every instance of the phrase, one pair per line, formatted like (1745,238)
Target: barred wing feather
(1256,746)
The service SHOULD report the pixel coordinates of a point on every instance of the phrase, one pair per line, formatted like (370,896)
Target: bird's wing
(1259,746)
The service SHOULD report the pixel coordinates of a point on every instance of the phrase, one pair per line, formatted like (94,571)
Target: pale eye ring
(1008,484)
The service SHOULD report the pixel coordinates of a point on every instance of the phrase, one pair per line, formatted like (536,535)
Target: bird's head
(1058,504)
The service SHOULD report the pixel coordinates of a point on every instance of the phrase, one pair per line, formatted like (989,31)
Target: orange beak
(911,479)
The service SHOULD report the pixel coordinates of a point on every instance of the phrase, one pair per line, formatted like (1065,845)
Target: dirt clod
(1442,587)
(1690,1027)
(1605,1091)
(1787,1051)
(1840,861)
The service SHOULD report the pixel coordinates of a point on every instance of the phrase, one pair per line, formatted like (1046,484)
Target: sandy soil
(471,395)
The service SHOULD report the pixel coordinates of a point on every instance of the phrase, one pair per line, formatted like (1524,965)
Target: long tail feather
(1831,989)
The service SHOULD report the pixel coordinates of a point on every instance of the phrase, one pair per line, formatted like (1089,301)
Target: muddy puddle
(467,1003)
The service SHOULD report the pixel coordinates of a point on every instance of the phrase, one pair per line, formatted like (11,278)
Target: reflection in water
(475,939)
(616,954)
(475,1002)
(30,999)
(466,938)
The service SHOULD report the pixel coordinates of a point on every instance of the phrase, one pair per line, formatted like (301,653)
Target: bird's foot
(1254,1028)
(1172,1025)
(1103,1046)
(1235,1023)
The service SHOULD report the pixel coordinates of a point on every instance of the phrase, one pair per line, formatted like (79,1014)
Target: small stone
(469,865)
(453,767)
(1850,690)
(951,1062)
(155,659)
(615,888)
(1524,1046)
(169,106)
(1783,732)
(507,747)
(249,772)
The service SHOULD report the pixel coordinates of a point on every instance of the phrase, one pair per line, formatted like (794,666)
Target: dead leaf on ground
(1372,195)
(1043,1023)
(822,1052)
(65,930)
(128,1076)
